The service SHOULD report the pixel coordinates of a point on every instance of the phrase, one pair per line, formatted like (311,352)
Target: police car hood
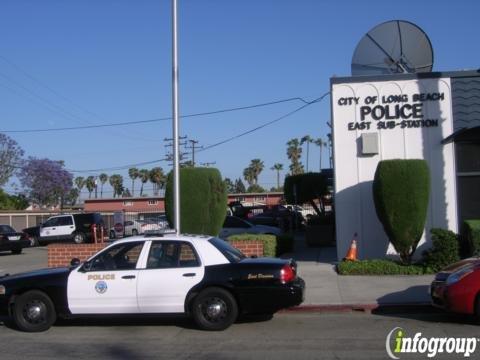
(41,273)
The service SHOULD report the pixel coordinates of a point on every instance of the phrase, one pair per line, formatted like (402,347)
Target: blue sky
(75,63)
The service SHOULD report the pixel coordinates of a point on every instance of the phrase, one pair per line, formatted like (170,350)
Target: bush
(470,238)
(401,190)
(203,200)
(269,242)
(444,251)
(380,267)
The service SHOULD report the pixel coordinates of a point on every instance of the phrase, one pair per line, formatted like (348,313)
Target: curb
(374,308)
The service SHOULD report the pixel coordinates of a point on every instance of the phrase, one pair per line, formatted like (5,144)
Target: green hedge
(203,200)
(400,191)
(470,238)
(380,267)
(444,250)
(272,245)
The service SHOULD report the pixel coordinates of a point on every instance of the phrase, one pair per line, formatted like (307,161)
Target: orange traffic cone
(352,252)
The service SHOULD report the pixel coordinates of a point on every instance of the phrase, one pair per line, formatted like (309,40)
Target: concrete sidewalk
(324,287)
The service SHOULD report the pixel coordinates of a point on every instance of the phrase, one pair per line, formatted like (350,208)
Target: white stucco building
(432,116)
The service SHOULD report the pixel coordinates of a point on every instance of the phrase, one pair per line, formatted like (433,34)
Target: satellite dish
(394,47)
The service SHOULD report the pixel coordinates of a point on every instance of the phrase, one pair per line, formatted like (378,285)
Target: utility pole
(175,125)
(193,147)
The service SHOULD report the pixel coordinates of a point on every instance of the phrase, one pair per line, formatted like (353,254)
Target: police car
(203,277)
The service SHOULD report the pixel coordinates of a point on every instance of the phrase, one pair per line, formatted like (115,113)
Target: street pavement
(286,336)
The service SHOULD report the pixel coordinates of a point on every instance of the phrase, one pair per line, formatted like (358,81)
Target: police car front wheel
(33,311)
(214,309)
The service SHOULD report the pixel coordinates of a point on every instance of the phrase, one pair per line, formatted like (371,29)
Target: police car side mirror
(75,262)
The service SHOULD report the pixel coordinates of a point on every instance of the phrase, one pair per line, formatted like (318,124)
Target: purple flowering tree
(45,181)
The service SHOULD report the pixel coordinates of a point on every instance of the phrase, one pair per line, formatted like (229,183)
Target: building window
(259,198)
(152,202)
(127,203)
(240,198)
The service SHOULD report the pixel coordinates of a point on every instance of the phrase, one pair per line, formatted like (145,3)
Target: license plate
(14,238)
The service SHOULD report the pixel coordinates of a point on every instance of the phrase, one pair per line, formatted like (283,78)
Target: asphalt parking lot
(29,259)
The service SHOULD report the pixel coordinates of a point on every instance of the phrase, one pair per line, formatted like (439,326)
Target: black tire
(134,232)
(34,311)
(214,309)
(79,238)
(34,241)
(16,251)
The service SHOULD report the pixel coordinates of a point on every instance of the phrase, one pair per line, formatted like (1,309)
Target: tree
(255,188)
(401,190)
(45,181)
(72,196)
(257,167)
(103,179)
(126,193)
(277,167)
(239,187)
(229,185)
(12,202)
(10,158)
(158,179)
(321,144)
(306,188)
(294,153)
(116,181)
(144,175)
(90,185)
(307,140)
(133,174)
(248,176)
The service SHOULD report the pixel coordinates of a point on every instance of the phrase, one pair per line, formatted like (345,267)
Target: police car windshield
(232,254)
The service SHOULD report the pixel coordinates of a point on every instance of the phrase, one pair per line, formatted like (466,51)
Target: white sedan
(136,227)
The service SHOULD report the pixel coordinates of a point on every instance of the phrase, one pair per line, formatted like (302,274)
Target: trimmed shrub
(305,188)
(400,191)
(380,267)
(203,200)
(444,251)
(269,242)
(470,245)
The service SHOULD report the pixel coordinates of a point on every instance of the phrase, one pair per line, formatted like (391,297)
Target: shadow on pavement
(428,314)
(414,294)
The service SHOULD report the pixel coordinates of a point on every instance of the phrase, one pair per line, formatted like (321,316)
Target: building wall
(354,172)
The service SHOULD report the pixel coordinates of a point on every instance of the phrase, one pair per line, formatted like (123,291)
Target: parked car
(135,227)
(33,234)
(11,240)
(457,287)
(278,215)
(200,276)
(234,225)
(76,228)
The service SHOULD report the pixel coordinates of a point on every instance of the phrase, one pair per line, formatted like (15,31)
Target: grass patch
(381,267)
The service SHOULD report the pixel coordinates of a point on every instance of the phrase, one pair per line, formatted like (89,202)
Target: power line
(126,123)
(218,143)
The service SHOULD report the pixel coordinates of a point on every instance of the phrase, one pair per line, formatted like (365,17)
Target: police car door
(107,284)
(172,268)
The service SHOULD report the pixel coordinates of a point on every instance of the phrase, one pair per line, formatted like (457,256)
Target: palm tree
(308,140)
(294,153)
(277,167)
(133,174)
(103,179)
(80,182)
(157,178)
(321,144)
(90,184)
(248,175)
(143,174)
(257,167)
(116,181)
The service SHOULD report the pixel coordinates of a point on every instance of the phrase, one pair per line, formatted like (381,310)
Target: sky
(92,62)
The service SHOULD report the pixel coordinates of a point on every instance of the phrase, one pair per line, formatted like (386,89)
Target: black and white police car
(203,277)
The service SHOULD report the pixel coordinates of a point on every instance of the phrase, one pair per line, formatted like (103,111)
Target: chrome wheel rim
(214,309)
(35,312)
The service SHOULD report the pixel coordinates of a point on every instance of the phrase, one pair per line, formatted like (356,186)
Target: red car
(457,287)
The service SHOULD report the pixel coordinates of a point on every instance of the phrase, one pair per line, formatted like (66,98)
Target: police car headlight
(2,290)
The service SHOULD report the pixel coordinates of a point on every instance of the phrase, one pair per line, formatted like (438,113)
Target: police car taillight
(287,274)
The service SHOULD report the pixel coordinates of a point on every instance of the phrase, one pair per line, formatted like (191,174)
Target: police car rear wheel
(79,238)
(33,311)
(214,309)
